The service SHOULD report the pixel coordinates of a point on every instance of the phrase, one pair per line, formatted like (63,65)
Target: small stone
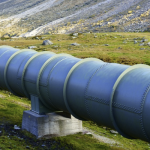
(141,44)
(113,132)
(106,44)
(37,38)
(89,133)
(124,42)
(75,34)
(142,48)
(75,44)
(95,36)
(144,40)
(31,47)
(74,37)
(0,132)
(27,147)
(148,43)
(47,42)
(135,42)
(16,127)
(55,46)
(105,128)
(43,145)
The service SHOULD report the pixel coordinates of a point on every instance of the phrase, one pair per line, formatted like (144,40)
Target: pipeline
(110,94)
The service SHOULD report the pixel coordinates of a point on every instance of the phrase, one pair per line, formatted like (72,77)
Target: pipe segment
(5,54)
(113,92)
(29,78)
(54,70)
(110,94)
(6,67)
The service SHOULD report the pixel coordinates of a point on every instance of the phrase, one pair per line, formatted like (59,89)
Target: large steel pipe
(113,95)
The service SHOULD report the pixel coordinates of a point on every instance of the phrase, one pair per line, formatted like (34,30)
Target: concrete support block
(51,124)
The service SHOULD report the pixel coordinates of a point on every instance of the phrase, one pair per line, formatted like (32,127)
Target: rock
(144,40)
(55,46)
(105,128)
(43,145)
(31,47)
(142,44)
(0,132)
(106,44)
(124,42)
(115,37)
(89,133)
(16,127)
(27,147)
(74,37)
(142,48)
(6,36)
(95,36)
(75,44)
(75,34)
(113,132)
(148,43)
(135,42)
(37,38)
(47,42)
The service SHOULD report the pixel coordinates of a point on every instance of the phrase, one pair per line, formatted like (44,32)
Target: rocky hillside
(34,17)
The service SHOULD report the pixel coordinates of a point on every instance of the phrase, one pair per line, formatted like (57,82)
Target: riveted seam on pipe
(21,65)
(41,72)
(49,60)
(91,98)
(141,115)
(4,53)
(24,70)
(66,82)
(6,67)
(48,93)
(126,108)
(112,96)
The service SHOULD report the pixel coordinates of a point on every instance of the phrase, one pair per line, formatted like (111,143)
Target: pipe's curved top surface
(113,95)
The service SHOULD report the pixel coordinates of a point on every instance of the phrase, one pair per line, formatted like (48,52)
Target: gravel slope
(33,17)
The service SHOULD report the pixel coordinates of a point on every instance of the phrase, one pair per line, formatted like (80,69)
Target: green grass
(11,111)
(117,51)
(12,107)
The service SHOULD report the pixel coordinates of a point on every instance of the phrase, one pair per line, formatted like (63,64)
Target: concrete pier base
(51,124)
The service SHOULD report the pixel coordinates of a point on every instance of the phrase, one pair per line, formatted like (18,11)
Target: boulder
(47,42)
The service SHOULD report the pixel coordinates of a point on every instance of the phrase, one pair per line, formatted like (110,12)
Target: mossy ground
(121,49)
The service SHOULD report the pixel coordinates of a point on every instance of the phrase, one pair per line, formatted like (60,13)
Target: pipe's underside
(113,95)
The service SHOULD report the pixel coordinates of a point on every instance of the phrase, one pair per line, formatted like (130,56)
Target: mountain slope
(32,17)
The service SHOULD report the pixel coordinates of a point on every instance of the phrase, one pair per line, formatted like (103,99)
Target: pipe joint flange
(66,82)
(40,73)
(24,70)
(6,67)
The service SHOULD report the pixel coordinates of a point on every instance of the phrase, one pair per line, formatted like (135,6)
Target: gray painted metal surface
(113,95)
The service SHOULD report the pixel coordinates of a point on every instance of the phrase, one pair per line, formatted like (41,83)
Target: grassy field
(120,49)
(109,47)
